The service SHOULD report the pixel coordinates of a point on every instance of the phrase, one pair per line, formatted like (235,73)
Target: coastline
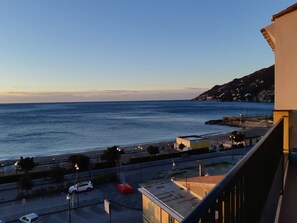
(93,152)
(165,146)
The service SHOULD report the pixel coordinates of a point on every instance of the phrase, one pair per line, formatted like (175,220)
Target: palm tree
(26,164)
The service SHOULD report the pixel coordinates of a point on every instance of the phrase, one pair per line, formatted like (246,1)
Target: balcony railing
(243,193)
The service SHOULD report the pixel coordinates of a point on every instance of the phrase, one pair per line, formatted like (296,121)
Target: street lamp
(119,150)
(140,163)
(16,168)
(69,207)
(173,166)
(16,163)
(77,169)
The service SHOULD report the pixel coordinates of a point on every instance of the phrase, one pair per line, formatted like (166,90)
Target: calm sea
(57,128)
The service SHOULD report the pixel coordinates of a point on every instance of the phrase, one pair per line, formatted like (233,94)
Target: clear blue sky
(86,50)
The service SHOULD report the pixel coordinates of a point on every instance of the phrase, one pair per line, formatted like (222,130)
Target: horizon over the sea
(42,129)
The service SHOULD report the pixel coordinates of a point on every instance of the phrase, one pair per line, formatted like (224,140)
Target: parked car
(2,221)
(81,186)
(30,218)
(125,188)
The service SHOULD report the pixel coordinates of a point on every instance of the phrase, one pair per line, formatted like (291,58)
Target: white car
(81,186)
(30,218)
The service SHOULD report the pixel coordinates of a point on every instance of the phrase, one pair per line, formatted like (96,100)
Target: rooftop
(206,179)
(284,12)
(191,137)
(173,199)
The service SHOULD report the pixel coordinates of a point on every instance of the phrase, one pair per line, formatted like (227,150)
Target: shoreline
(165,146)
(99,150)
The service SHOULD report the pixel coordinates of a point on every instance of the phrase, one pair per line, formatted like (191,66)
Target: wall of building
(152,213)
(199,190)
(277,115)
(284,33)
(194,144)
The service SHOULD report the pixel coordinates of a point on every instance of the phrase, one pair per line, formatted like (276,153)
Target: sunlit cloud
(104,95)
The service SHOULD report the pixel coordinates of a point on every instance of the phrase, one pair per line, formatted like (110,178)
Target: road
(54,208)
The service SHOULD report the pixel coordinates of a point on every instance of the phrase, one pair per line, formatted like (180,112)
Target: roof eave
(268,38)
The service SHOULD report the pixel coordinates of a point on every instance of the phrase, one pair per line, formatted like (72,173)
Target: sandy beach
(139,150)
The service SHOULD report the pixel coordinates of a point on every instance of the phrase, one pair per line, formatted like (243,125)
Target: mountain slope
(255,87)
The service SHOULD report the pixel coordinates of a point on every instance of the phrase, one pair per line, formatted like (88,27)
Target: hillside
(255,87)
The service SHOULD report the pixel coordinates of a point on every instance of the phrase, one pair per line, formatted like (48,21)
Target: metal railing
(242,194)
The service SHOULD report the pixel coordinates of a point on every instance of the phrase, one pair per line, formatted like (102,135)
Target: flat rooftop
(176,201)
(192,137)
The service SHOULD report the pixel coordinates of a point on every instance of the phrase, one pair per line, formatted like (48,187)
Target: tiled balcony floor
(288,212)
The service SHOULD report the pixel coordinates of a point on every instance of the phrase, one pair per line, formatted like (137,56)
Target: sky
(115,50)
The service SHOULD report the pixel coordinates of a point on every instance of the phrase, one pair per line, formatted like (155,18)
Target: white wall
(284,31)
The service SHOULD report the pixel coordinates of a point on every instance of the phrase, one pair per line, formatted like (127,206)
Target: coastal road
(134,174)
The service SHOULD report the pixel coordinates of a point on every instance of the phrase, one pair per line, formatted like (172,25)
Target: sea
(43,129)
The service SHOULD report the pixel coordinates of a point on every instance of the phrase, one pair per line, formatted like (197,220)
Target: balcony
(251,191)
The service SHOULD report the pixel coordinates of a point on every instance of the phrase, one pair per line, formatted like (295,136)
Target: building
(192,142)
(171,201)
(281,36)
(166,202)
(251,140)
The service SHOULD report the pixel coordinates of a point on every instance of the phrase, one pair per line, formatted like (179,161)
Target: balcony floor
(288,212)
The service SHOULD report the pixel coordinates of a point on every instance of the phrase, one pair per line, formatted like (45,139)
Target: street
(124,207)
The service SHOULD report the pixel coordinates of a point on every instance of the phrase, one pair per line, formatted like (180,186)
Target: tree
(27,164)
(112,154)
(237,138)
(57,175)
(181,146)
(153,150)
(81,161)
(25,182)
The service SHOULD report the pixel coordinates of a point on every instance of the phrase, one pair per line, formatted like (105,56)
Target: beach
(132,151)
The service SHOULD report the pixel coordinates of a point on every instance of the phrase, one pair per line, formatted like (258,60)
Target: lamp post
(16,168)
(119,160)
(140,163)
(16,165)
(173,166)
(69,207)
(77,194)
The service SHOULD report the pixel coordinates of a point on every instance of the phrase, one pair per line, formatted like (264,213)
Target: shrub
(153,150)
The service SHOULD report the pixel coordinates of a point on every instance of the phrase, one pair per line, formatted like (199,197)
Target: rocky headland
(255,87)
